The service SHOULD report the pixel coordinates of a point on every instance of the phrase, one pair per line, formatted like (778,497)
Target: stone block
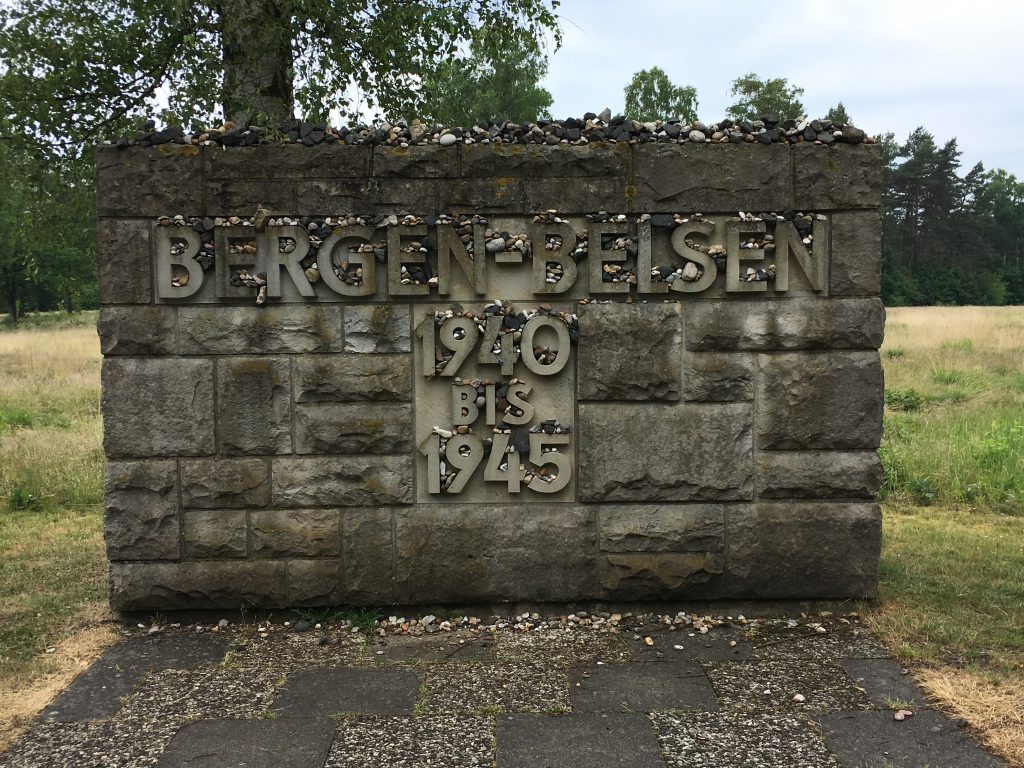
(287,161)
(137,331)
(380,328)
(342,481)
(856,268)
(373,195)
(259,330)
(353,428)
(228,584)
(123,261)
(718,377)
(692,452)
(295,532)
(818,474)
(629,352)
(578,195)
(314,583)
(804,550)
(215,533)
(712,177)
(141,520)
(533,160)
(157,407)
(840,176)
(149,182)
(661,528)
(244,196)
(430,161)
(661,575)
(368,566)
(254,405)
(353,378)
(224,483)
(460,552)
(785,324)
(492,196)
(825,401)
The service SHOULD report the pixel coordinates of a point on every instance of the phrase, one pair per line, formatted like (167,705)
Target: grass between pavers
(951,571)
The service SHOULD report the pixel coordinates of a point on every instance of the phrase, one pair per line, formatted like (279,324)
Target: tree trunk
(12,301)
(257,52)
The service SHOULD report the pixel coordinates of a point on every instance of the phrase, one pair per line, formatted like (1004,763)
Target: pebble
(602,127)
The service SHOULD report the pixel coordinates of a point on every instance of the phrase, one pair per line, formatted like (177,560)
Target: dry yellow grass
(999,329)
(22,698)
(49,360)
(995,710)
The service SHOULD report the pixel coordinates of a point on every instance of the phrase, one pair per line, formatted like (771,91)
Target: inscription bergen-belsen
(336,258)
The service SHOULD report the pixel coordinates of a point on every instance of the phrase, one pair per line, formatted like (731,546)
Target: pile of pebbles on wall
(767,129)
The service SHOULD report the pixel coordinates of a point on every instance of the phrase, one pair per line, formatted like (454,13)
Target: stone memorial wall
(490,372)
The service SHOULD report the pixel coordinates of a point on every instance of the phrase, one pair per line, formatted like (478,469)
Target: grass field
(953,554)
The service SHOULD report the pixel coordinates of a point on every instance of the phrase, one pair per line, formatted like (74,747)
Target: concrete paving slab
(566,648)
(816,640)
(91,744)
(639,687)
(99,691)
(333,690)
(431,741)
(926,740)
(181,696)
(490,688)
(760,686)
(718,644)
(592,739)
(250,743)
(429,648)
(740,740)
(885,682)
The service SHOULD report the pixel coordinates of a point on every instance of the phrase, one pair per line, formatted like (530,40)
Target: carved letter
(708,263)
(539,234)
(270,244)
(789,243)
(163,238)
(473,265)
(339,241)
(733,269)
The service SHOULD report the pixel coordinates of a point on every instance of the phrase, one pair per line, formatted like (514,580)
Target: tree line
(75,71)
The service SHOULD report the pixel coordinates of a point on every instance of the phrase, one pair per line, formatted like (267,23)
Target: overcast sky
(956,68)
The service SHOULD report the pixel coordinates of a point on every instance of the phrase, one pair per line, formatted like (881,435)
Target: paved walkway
(642,692)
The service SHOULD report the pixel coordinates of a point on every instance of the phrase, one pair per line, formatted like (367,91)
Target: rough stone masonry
(375,375)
